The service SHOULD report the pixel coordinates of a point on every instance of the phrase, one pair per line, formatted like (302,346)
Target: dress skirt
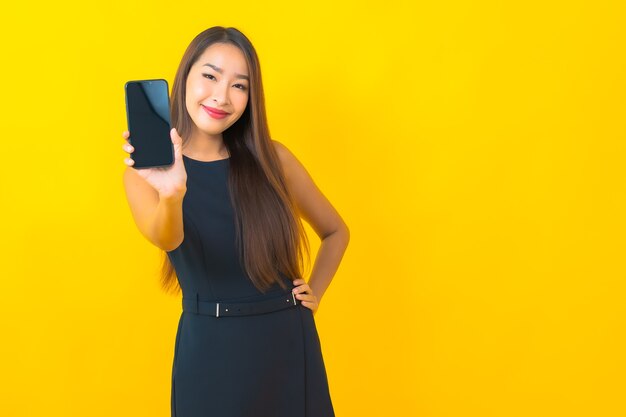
(264,365)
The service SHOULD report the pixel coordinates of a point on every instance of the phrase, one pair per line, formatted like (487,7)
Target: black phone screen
(148,117)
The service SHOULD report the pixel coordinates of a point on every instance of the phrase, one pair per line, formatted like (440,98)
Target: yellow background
(475,149)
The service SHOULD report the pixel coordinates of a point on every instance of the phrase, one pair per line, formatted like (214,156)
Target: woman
(228,214)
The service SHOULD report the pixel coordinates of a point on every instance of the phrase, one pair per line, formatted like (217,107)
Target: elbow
(343,234)
(170,246)
(340,233)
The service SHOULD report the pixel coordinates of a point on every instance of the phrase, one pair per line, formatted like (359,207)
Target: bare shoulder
(280,148)
(295,172)
(313,206)
(285,155)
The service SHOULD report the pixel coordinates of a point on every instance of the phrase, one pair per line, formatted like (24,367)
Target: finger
(306,297)
(129,161)
(303,288)
(176,139)
(311,306)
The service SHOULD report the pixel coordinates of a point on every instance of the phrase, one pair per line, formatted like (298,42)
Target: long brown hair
(269,233)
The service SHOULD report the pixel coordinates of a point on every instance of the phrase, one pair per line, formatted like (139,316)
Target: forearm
(327,261)
(167,223)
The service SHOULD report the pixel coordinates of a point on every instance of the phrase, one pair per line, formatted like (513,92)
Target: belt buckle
(217,310)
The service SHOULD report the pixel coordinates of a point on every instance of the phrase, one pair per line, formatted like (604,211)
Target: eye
(241,86)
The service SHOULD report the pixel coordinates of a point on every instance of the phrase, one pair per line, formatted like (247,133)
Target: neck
(206,146)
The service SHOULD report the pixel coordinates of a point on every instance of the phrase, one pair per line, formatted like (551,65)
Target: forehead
(225,56)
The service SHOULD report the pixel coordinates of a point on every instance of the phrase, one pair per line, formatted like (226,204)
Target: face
(217,80)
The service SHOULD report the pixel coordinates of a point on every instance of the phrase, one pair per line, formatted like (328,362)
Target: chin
(211,130)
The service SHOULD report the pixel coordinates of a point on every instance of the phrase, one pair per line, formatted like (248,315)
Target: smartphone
(148,118)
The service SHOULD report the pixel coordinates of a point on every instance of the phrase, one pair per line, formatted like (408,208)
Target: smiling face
(217,80)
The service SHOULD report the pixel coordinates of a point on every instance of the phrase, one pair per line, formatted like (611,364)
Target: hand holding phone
(155,148)
(168,182)
(148,116)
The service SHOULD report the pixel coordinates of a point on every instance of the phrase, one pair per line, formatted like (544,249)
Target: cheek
(199,91)
(241,102)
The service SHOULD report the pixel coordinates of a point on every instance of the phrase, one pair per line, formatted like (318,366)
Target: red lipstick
(216,113)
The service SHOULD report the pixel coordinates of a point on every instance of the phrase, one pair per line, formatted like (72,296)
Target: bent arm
(159,218)
(167,224)
(327,261)
(316,210)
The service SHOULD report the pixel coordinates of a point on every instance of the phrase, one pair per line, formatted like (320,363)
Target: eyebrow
(218,69)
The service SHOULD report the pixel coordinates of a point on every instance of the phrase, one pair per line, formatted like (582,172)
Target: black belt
(225,308)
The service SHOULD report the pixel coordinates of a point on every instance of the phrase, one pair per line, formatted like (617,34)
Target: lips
(215,111)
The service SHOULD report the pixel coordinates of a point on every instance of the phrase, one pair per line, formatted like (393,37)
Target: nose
(220,94)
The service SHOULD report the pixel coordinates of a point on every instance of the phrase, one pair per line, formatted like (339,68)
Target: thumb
(176,139)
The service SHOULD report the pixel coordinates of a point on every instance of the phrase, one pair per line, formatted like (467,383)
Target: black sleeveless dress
(265,365)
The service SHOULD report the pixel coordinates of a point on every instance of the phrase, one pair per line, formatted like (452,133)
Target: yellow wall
(475,149)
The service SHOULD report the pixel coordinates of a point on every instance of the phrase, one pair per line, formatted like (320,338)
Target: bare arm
(168,223)
(316,210)
(155,197)
(158,217)
(327,261)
